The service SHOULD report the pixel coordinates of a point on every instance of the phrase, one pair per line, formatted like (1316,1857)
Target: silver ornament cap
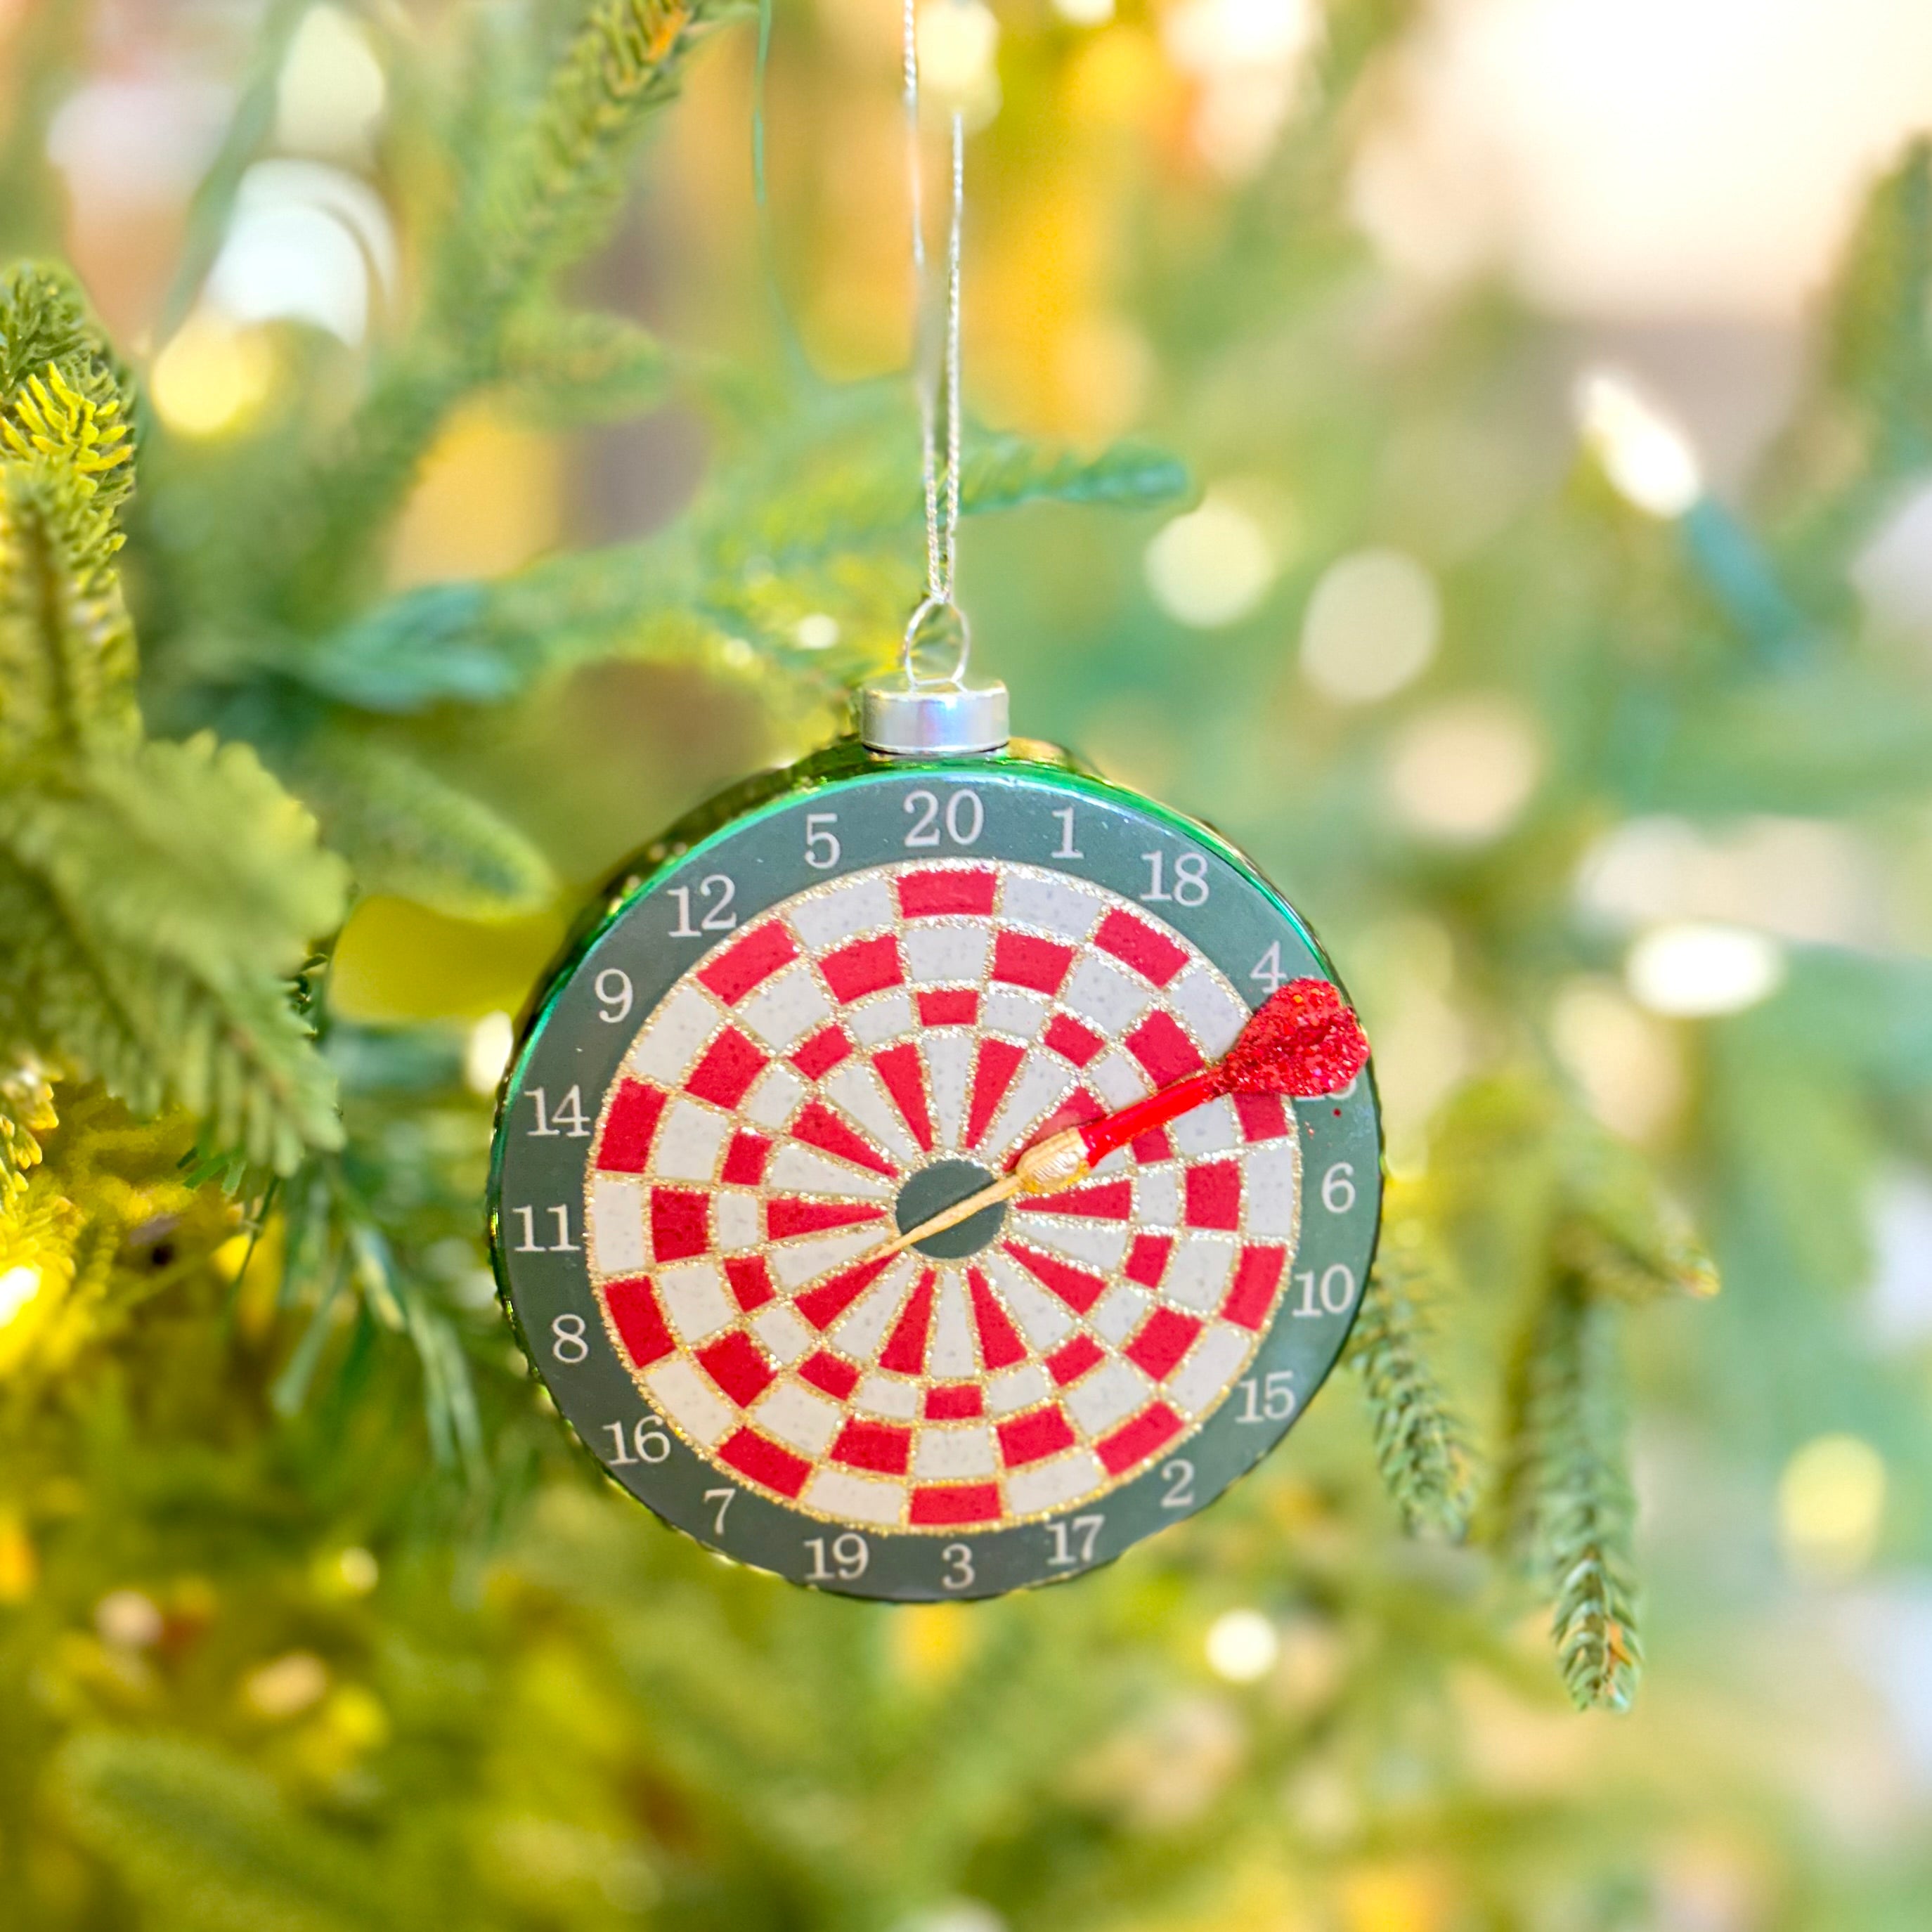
(909,713)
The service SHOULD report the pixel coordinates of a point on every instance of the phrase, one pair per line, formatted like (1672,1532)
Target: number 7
(722,1498)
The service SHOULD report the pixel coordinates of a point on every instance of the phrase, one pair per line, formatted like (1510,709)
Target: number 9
(614,992)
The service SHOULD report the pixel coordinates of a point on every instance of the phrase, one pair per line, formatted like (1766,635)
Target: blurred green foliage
(310,1616)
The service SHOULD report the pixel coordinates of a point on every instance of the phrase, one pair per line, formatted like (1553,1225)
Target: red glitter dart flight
(1301,1041)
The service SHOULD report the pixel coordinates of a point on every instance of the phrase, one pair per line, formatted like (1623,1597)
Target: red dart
(1302,1040)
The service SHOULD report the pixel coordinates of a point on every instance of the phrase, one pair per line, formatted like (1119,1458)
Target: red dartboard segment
(903,1072)
(750,963)
(639,1320)
(829,1047)
(928,894)
(724,1075)
(904,1351)
(865,966)
(993,1071)
(635,1111)
(753,1170)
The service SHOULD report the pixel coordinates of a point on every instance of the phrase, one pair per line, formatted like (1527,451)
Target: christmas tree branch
(1567,1509)
(546,199)
(1421,1444)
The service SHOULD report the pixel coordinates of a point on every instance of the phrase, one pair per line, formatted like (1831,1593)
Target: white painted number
(1338,1187)
(1190,880)
(957,1558)
(722,1498)
(1073,1542)
(926,824)
(850,1555)
(718,892)
(821,842)
(1268,1399)
(1268,968)
(529,1244)
(965,818)
(1178,1475)
(566,1339)
(1067,849)
(649,1442)
(567,1120)
(1337,1289)
(614,993)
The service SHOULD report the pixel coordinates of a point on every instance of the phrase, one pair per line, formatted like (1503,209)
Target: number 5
(821,843)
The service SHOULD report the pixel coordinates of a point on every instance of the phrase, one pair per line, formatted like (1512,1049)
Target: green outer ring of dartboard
(759,827)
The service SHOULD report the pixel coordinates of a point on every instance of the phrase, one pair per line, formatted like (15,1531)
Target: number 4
(1267,969)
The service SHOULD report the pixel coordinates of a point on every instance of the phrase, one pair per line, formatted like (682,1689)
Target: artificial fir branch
(545,199)
(1617,1230)
(27,1113)
(1421,1444)
(1567,1509)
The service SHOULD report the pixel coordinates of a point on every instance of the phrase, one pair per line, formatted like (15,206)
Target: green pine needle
(1567,1508)
(1421,1444)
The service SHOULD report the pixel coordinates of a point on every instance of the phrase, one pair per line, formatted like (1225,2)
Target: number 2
(1178,1475)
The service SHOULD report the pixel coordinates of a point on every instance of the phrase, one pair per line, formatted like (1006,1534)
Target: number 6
(1338,1187)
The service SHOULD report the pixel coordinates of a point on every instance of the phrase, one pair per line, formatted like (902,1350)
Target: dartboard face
(841,1013)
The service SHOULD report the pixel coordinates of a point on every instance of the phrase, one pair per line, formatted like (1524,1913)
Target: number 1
(1066,849)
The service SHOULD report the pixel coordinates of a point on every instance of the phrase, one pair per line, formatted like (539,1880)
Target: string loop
(936,378)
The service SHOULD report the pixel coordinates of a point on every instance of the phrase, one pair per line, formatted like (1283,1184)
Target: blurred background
(1550,614)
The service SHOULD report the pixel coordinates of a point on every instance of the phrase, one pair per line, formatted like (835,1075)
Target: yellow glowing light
(1242,1646)
(958,43)
(1085,13)
(1831,1507)
(128,1620)
(1211,567)
(1647,457)
(211,376)
(1460,773)
(487,1052)
(1371,627)
(1626,1063)
(288,1686)
(330,93)
(818,631)
(18,1286)
(1695,970)
(358,1571)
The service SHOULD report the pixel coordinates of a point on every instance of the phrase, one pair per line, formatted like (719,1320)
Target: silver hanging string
(936,375)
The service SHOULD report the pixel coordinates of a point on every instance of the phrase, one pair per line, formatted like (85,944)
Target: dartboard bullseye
(854,1006)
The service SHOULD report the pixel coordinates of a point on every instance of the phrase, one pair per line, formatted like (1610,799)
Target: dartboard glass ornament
(857,993)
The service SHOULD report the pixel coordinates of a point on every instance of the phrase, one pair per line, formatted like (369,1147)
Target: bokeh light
(1371,627)
(1212,566)
(1831,1507)
(1694,969)
(1460,772)
(1242,1646)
